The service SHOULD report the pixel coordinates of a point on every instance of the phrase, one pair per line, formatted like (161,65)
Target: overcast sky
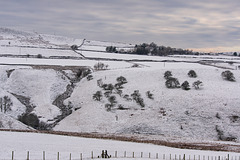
(177,23)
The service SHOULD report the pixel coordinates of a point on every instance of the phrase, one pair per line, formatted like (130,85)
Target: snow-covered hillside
(61,94)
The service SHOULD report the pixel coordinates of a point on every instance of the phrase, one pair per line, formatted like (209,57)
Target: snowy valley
(55,91)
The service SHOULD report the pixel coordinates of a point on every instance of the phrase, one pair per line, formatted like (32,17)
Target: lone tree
(185,85)
(172,83)
(167,74)
(112,100)
(74,47)
(197,84)
(228,75)
(235,54)
(97,96)
(121,80)
(192,74)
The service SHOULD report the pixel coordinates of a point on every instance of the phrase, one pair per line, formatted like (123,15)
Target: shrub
(121,80)
(39,56)
(185,85)
(108,87)
(172,83)
(192,74)
(135,65)
(112,100)
(228,75)
(100,66)
(86,72)
(108,107)
(74,47)
(149,95)
(197,84)
(43,126)
(29,119)
(127,97)
(167,74)
(97,96)
(89,77)
(111,49)
(5,104)
(137,97)
(83,72)
(107,94)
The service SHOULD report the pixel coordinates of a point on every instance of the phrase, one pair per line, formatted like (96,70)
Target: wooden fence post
(80,156)
(133,154)
(115,154)
(156,155)
(12,155)
(170,157)
(125,154)
(70,156)
(58,156)
(43,155)
(92,154)
(141,154)
(28,155)
(149,155)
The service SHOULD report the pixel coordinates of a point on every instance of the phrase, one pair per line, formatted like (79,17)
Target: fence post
(70,156)
(92,154)
(184,157)
(28,155)
(43,155)
(141,154)
(163,156)
(125,154)
(180,157)
(12,155)
(149,155)
(199,157)
(58,156)
(133,154)
(170,157)
(156,155)
(115,154)
(80,156)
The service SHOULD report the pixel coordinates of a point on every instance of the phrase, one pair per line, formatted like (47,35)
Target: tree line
(152,49)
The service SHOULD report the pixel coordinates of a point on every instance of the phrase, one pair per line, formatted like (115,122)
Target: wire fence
(104,154)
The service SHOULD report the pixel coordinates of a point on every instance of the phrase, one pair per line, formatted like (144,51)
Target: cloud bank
(194,24)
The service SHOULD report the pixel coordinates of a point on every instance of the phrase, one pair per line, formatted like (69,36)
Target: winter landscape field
(45,85)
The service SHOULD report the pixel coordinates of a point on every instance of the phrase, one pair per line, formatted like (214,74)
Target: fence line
(125,154)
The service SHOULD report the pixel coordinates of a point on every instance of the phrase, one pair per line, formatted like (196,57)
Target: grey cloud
(188,23)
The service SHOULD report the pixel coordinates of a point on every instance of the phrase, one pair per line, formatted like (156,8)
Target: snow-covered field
(36,143)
